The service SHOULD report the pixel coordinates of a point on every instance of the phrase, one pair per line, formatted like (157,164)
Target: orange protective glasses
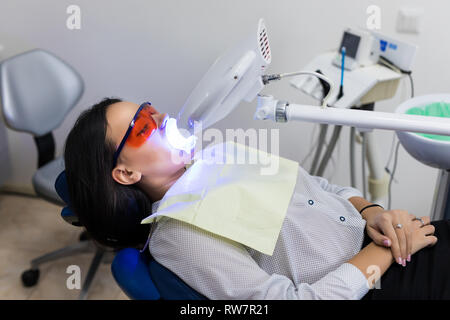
(141,128)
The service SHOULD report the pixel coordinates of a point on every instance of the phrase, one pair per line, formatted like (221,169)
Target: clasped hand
(401,231)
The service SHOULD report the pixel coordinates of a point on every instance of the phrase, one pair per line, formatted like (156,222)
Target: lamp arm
(281,111)
(271,77)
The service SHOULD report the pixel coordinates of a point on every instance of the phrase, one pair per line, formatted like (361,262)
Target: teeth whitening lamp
(235,76)
(239,75)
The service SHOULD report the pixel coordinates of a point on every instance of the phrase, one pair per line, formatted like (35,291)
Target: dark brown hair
(110,212)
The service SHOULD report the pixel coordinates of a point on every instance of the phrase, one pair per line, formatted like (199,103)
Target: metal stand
(329,151)
(441,201)
(30,277)
(378,180)
(91,273)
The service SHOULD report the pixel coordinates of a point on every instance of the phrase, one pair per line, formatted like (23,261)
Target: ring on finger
(421,220)
(398,226)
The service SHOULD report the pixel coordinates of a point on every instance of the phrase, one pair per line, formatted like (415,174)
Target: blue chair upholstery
(130,269)
(137,274)
(61,187)
(170,286)
(142,278)
(63,192)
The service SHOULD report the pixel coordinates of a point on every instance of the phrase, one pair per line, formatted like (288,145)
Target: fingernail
(386,242)
(409,258)
(399,260)
(404,263)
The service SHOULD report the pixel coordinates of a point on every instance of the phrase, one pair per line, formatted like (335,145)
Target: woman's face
(153,160)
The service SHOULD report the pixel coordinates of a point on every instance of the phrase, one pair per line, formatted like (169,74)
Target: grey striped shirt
(320,233)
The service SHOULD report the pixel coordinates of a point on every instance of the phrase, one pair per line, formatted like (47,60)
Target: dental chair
(37,91)
(136,273)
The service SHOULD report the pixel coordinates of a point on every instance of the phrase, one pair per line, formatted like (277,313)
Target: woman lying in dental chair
(331,243)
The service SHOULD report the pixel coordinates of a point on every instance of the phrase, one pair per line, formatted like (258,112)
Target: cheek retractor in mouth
(175,138)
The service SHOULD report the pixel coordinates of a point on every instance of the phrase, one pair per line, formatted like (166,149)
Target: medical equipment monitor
(350,42)
(359,49)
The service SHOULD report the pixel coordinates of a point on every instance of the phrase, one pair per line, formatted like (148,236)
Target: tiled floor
(30,227)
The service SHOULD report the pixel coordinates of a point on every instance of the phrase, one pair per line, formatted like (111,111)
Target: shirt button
(311,202)
(342,218)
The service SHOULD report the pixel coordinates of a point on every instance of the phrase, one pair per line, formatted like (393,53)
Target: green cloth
(436,109)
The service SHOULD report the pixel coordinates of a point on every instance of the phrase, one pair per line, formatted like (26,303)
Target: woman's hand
(405,241)
(422,236)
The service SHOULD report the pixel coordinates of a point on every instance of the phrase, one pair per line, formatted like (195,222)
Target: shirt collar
(155,206)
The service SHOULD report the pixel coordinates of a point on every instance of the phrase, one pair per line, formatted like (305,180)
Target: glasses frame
(125,137)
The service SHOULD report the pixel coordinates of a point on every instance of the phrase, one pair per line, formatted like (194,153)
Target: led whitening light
(176,139)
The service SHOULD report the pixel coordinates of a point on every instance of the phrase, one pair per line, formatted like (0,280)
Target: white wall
(158,50)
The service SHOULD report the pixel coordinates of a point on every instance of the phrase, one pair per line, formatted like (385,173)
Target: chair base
(31,277)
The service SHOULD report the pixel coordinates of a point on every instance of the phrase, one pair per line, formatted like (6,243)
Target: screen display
(350,42)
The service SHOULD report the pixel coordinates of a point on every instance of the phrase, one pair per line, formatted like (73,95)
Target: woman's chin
(180,157)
